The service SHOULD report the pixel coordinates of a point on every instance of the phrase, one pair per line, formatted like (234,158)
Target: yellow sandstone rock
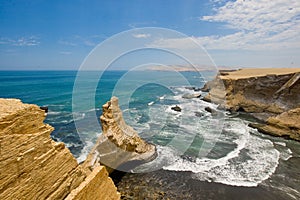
(33,166)
(119,146)
(269,94)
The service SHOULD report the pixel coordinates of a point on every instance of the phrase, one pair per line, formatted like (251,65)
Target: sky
(59,35)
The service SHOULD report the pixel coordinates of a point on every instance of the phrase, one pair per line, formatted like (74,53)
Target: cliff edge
(271,95)
(33,166)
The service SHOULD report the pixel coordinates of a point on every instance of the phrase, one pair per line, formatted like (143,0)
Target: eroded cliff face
(33,166)
(119,146)
(271,95)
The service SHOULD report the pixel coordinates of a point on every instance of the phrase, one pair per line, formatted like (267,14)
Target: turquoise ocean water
(214,150)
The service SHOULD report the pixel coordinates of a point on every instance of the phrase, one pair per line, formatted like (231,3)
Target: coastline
(270,95)
(175,182)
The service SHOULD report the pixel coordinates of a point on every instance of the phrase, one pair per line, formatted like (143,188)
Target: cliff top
(255,72)
(10,106)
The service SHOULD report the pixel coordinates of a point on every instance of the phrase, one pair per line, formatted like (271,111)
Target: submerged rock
(176,108)
(213,111)
(198,114)
(191,96)
(119,146)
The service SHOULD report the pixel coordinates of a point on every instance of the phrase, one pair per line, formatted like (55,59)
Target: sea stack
(119,146)
(270,95)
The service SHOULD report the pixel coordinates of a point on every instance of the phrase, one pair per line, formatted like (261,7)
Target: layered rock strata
(271,95)
(33,166)
(119,146)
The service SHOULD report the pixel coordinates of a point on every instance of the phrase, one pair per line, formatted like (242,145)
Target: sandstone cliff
(33,166)
(119,146)
(271,95)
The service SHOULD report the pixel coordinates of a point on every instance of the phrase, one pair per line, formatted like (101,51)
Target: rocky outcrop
(285,125)
(33,166)
(119,146)
(176,108)
(191,96)
(268,94)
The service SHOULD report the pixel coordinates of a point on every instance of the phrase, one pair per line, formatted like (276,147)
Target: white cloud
(141,35)
(77,40)
(258,25)
(22,41)
(67,43)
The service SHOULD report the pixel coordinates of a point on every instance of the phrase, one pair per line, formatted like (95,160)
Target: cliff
(119,146)
(271,95)
(33,166)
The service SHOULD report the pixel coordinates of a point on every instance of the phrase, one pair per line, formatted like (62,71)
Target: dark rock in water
(213,111)
(196,89)
(208,109)
(207,98)
(205,88)
(190,96)
(189,158)
(199,114)
(176,108)
(255,125)
(45,108)
(190,88)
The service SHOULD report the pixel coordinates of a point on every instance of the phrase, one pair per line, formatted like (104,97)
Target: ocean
(200,156)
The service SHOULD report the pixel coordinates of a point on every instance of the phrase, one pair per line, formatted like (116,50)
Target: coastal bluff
(33,166)
(271,95)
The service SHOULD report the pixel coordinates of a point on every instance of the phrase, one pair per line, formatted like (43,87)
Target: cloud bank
(256,25)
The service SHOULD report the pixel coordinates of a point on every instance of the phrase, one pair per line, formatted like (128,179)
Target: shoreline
(270,95)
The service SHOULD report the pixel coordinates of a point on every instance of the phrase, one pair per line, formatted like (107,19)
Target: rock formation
(176,108)
(119,146)
(191,96)
(33,166)
(284,125)
(271,95)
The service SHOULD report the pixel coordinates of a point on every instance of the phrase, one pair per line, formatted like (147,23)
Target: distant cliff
(33,166)
(271,95)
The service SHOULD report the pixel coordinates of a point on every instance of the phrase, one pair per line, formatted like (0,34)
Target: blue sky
(59,34)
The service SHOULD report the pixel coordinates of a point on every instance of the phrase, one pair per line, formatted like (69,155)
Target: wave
(248,165)
(151,103)
(252,161)
(162,97)
(78,116)
(85,151)
(54,113)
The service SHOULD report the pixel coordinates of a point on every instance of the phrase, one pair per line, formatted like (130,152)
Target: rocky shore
(33,166)
(270,95)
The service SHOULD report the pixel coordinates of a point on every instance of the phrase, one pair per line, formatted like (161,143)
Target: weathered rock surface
(284,125)
(213,111)
(33,166)
(119,146)
(191,96)
(265,93)
(176,108)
